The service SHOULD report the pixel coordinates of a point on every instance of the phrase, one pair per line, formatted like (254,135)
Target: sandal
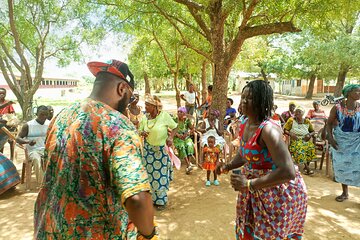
(341,198)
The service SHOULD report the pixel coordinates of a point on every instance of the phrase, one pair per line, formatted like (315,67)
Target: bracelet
(248,184)
(142,236)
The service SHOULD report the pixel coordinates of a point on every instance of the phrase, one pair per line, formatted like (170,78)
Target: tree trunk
(203,81)
(263,74)
(147,84)
(310,91)
(188,79)
(177,92)
(344,69)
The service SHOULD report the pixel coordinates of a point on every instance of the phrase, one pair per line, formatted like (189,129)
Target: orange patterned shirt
(93,164)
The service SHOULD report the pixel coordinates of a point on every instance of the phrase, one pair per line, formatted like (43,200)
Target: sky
(108,49)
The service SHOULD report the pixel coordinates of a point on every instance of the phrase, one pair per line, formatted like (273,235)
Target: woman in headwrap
(290,113)
(211,127)
(344,137)
(134,111)
(182,139)
(154,127)
(301,132)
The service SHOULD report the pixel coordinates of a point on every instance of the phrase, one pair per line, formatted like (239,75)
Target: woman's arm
(236,162)
(331,123)
(271,137)
(218,131)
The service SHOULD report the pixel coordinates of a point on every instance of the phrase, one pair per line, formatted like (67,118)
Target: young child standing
(211,158)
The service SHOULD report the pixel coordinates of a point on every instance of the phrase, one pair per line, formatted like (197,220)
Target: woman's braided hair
(262,98)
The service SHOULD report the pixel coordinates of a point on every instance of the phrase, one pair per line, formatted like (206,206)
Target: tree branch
(16,39)
(248,32)
(164,53)
(247,13)
(191,4)
(185,41)
(201,23)
(11,58)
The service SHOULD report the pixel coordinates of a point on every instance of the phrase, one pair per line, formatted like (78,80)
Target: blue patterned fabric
(9,177)
(160,171)
(346,162)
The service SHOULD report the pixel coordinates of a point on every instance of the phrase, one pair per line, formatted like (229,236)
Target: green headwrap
(348,88)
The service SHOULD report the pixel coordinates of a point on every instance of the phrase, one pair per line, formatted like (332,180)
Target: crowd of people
(104,164)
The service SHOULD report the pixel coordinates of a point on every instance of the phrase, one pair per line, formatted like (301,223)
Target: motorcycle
(331,99)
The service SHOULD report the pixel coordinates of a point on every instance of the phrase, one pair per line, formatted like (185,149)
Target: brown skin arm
(271,137)
(23,134)
(331,123)
(237,162)
(141,212)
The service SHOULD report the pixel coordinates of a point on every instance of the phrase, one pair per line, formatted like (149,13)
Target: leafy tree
(33,31)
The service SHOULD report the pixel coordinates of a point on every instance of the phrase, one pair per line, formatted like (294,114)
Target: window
(298,83)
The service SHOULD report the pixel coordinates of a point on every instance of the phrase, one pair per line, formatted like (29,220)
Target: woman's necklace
(348,112)
(147,122)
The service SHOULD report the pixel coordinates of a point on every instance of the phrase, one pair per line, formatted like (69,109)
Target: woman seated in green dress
(301,132)
(182,140)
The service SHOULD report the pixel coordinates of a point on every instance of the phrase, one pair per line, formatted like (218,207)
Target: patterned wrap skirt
(159,168)
(272,213)
(301,151)
(346,160)
(9,176)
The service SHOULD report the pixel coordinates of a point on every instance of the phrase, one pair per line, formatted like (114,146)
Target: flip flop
(341,198)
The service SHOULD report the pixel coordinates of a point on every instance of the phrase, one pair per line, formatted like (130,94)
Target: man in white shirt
(191,99)
(33,133)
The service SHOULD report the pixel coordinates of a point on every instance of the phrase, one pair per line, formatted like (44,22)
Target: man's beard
(123,103)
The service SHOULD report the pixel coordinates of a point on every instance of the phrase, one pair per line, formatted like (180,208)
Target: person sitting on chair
(7,108)
(51,112)
(33,133)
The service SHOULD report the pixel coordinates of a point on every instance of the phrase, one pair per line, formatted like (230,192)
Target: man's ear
(121,89)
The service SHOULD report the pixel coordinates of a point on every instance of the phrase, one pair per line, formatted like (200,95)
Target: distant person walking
(95,185)
(343,127)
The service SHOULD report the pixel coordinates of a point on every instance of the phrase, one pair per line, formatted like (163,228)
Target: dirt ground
(206,213)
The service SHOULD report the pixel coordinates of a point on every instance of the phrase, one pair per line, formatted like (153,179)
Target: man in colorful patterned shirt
(95,186)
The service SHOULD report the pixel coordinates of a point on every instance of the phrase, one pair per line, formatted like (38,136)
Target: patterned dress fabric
(211,156)
(301,151)
(270,213)
(346,162)
(9,176)
(156,159)
(160,171)
(93,164)
(185,147)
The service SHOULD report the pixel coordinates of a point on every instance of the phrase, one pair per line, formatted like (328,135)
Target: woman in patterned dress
(301,132)
(272,198)
(182,140)
(154,128)
(345,139)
